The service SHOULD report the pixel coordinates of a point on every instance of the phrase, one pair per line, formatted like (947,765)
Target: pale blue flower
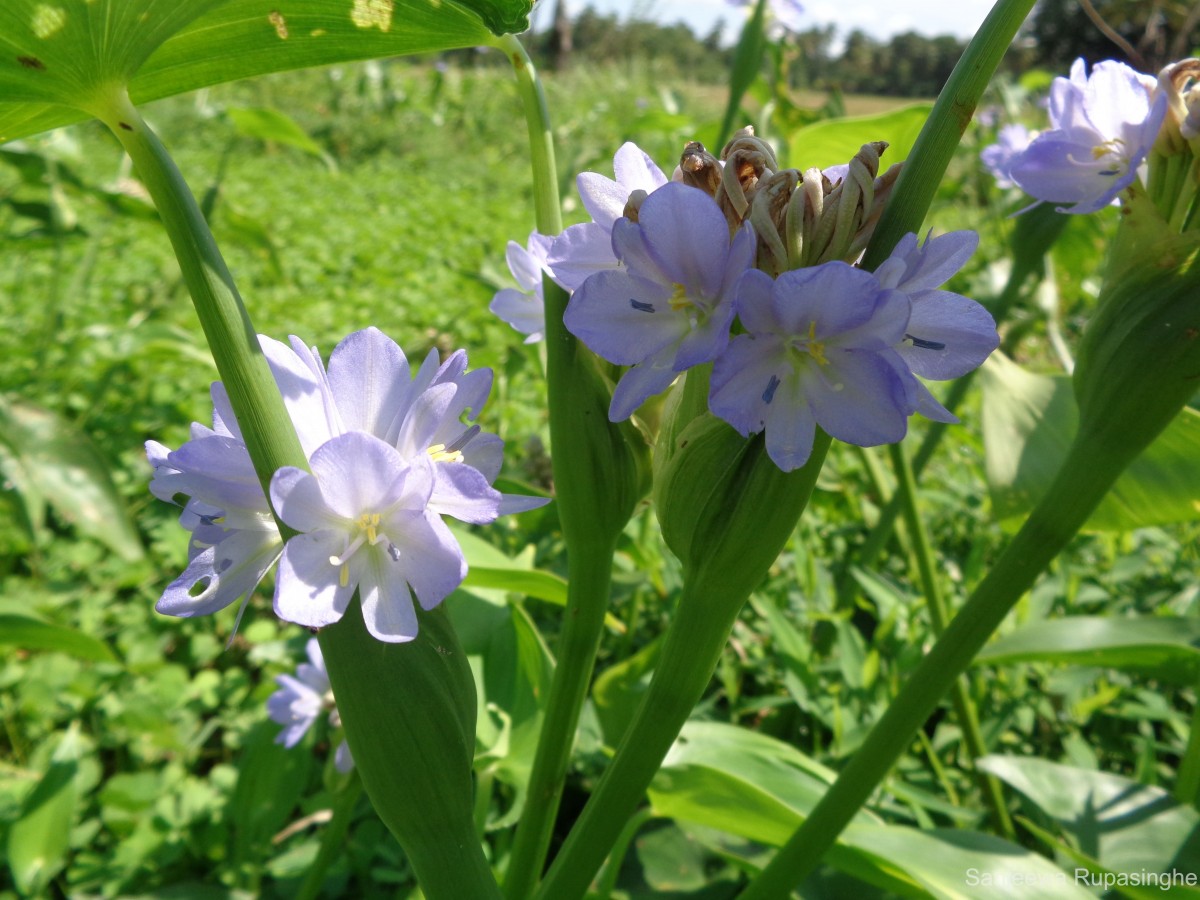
(1102,127)
(582,250)
(364,525)
(523,307)
(998,158)
(948,335)
(368,388)
(819,349)
(301,699)
(670,305)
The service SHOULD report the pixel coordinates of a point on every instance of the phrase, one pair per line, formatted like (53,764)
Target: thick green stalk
(589,573)
(964,706)
(264,422)
(596,487)
(1055,520)
(689,656)
(724,559)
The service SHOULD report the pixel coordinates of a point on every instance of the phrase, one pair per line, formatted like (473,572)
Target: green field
(397,215)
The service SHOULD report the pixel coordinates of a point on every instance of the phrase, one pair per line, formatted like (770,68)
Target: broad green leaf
(757,788)
(56,52)
(63,467)
(30,633)
(1029,421)
(271,781)
(38,840)
(1161,646)
(1123,825)
(835,141)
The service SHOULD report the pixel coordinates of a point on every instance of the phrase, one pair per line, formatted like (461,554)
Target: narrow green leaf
(271,781)
(1029,422)
(38,840)
(1161,646)
(1124,825)
(30,633)
(835,141)
(65,469)
(265,124)
(162,49)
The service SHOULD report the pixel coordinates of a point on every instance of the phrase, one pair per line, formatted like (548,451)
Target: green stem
(265,425)
(332,837)
(689,656)
(935,146)
(1187,778)
(713,594)
(589,573)
(1055,520)
(547,208)
(594,496)
(964,707)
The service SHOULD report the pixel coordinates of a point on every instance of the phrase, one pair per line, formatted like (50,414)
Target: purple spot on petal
(925,345)
(769,394)
(641,307)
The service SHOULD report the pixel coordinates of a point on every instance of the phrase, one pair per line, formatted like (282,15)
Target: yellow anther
(815,348)
(679,298)
(439,453)
(344,575)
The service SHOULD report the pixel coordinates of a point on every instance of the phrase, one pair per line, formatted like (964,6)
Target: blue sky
(881,20)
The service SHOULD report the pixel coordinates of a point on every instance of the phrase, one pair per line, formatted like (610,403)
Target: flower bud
(700,169)
(725,508)
(1139,360)
(748,161)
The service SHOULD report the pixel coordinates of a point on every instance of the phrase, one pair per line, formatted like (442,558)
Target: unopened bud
(633,204)
(700,169)
(1182,123)
(1139,359)
(748,160)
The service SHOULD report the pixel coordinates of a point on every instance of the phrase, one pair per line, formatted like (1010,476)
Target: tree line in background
(1144,34)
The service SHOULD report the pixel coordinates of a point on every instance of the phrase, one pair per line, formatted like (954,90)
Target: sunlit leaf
(68,472)
(835,141)
(39,839)
(28,632)
(1121,824)
(1028,423)
(57,52)
(757,788)
(1162,646)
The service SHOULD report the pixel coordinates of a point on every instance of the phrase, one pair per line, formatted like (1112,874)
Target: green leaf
(30,633)
(1029,421)
(755,787)
(1161,646)
(1123,825)
(835,141)
(271,780)
(38,840)
(265,124)
(162,49)
(62,466)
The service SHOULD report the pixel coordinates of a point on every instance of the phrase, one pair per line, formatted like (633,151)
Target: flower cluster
(1102,126)
(666,268)
(389,456)
(300,701)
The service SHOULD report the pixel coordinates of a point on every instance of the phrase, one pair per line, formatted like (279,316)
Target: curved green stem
(1055,520)
(964,707)
(926,164)
(547,208)
(269,435)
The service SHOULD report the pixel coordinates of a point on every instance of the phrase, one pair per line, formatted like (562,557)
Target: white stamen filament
(368,533)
